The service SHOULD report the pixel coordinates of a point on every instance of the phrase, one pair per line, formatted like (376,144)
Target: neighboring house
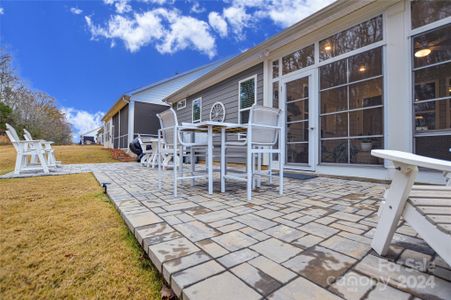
(90,137)
(354,76)
(135,112)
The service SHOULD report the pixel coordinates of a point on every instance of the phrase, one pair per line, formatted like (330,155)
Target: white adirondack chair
(47,146)
(25,151)
(427,208)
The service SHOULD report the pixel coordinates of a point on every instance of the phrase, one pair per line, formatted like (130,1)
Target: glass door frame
(313,139)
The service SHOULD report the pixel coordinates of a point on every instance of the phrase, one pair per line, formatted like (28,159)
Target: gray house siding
(146,121)
(226,92)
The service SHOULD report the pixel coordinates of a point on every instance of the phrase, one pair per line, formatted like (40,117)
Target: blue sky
(88,53)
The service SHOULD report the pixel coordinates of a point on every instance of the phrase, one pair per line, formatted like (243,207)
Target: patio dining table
(211,128)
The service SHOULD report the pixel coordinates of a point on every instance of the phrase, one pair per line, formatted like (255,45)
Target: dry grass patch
(67,154)
(60,237)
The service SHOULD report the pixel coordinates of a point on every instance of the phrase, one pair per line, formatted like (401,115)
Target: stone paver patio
(311,243)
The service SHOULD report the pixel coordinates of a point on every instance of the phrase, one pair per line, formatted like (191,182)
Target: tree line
(33,110)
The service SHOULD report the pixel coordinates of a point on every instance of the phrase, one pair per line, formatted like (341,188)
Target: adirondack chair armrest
(47,142)
(413,159)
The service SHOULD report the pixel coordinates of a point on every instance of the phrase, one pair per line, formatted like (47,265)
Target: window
(275,69)
(431,61)
(353,38)
(181,104)
(247,92)
(197,110)
(425,12)
(299,59)
(275,94)
(351,109)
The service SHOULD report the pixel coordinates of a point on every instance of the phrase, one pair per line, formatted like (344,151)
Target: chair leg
(193,165)
(270,167)
(259,166)
(281,159)
(249,172)
(18,167)
(43,162)
(181,164)
(395,201)
(223,163)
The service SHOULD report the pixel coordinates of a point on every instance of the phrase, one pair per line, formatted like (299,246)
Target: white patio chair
(47,146)
(148,154)
(427,208)
(263,136)
(177,142)
(25,151)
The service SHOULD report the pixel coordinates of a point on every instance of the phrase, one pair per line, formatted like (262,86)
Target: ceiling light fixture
(423,52)
(362,69)
(327,47)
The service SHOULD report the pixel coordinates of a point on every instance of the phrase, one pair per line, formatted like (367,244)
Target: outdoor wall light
(423,52)
(362,69)
(328,47)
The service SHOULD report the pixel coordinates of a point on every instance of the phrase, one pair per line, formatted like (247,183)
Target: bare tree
(34,110)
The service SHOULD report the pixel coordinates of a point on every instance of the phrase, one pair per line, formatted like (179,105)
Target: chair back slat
(168,119)
(12,132)
(27,135)
(263,115)
(12,139)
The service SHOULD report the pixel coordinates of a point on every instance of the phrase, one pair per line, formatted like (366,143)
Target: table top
(217,126)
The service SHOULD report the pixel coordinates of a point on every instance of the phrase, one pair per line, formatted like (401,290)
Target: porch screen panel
(432,92)
(351,109)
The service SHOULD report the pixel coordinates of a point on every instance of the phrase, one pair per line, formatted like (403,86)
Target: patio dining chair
(263,136)
(47,147)
(26,150)
(177,141)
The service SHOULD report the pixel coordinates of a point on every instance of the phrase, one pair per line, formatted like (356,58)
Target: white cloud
(238,19)
(170,30)
(188,32)
(75,10)
(81,120)
(218,23)
(135,32)
(287,12)
(2,11)
(121,6)
(181,32)
(197,9)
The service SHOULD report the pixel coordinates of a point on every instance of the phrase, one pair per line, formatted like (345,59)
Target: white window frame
(411,34)
(192,110)
(181,104)
(253,77)
(240,110)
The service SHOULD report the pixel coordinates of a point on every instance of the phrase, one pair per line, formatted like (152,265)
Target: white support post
(395,201)
(131,121)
